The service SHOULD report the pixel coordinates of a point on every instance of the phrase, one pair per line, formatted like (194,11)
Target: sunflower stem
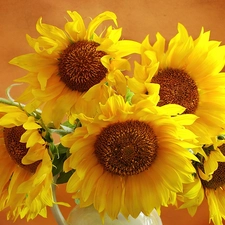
(55,208)
(8,102)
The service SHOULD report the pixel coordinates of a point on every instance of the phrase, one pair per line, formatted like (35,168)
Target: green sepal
(47,136)
(77,201)
(128,96)
(208,149)
(221,137)
(71,126)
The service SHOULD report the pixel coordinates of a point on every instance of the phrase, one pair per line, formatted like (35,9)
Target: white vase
(89,216)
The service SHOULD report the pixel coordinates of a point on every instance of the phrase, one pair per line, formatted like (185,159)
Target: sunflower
(209,183)
(131,156)
(71,70)
(189,74)
(25,186)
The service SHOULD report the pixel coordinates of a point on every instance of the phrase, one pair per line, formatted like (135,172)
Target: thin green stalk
(55,209)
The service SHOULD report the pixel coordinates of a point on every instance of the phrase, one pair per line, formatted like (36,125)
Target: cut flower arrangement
(126,137)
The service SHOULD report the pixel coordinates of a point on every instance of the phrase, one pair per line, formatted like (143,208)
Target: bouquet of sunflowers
(126,136)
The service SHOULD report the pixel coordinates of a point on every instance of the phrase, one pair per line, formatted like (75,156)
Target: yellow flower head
(131,156)
(189,73)
(209,184)
(70,68)
(25,185)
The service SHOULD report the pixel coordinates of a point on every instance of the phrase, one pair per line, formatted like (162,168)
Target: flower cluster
(123,143)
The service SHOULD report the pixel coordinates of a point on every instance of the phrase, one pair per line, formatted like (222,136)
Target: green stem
(10,102)
(55,209)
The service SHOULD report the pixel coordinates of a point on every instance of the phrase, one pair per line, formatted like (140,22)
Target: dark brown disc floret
(126,148)
(177,87)
(80,66)
(218,179)
(16,149)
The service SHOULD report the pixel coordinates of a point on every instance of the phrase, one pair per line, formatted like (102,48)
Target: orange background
(138,18)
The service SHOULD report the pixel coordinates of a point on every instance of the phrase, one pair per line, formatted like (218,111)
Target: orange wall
(137,19)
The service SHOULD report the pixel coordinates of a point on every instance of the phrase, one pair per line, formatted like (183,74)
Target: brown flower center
(126,148)
(80,67)
(177,87)
(218,178)
(16,149)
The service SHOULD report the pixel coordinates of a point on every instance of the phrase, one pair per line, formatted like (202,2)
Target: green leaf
(62,149)
(58,164)
(64,177)
(52,148)
(47,136)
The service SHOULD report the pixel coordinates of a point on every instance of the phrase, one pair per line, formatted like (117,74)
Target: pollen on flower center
(218,178)
(80,67)
(16,149)
(126,148)
(177,87)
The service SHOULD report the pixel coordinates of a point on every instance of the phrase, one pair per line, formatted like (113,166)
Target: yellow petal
(30,124)
(52,32)
(76,29)
(93,25)
(34,154)
(90,181)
